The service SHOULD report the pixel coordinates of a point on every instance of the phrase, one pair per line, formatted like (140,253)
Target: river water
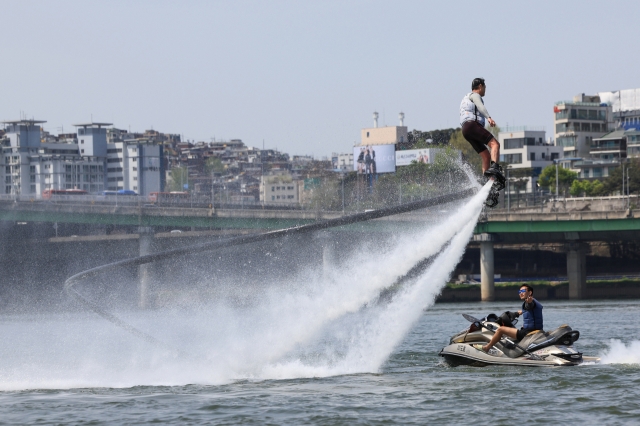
(323,347)
(134,384)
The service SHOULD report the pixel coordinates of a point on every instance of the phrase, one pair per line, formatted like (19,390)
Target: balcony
(607,146)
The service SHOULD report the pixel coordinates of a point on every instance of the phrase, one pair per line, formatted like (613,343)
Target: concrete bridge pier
(145,243)
(577,269)
(487,284)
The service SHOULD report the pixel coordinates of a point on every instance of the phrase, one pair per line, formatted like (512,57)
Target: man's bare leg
(494,146)
(486,160)
(502,330)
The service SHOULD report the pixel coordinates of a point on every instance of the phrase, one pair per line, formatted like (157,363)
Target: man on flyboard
(472,118)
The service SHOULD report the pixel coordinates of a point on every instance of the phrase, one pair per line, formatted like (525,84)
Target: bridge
(574,227)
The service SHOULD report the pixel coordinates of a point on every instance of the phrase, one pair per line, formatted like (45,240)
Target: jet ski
(536,349)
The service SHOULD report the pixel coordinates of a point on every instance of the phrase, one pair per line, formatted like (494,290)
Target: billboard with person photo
(374,159)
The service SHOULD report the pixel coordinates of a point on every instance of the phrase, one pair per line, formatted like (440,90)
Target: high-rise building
(578,122)
(87,162)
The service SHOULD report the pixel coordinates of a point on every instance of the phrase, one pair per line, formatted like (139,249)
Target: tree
(418,139)
(178,177)
(547,178)
(469,154)
(214,164)
(587,188)
(613,183)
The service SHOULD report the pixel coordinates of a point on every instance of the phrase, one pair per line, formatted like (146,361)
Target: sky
(306,76)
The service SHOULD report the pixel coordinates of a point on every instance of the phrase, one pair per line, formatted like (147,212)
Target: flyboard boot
(494,172)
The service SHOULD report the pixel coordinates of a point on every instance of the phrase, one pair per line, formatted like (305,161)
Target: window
(566,141)
(597,172)
(82,151)
(82,141)
(585,127)
(135,178)
(273,188)
(513,143)
(532,156)
(593,114)
(33,189)
(7,189)
(135,159)
(543,156)
(513,158)
(273,197)
(32,169)
(135,169)
(367,134)
(135,188)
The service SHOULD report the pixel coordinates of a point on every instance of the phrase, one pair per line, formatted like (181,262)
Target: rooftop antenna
(375,119)
(401,116)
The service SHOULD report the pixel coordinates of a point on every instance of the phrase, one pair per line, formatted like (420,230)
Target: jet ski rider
(531,314)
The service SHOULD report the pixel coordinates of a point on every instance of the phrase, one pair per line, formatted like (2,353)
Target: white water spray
(313,325)
(619,353)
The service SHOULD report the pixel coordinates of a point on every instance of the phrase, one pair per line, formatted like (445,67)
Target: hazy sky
(306,76)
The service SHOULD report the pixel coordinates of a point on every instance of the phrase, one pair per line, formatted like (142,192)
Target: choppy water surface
(412,386)
(322,347)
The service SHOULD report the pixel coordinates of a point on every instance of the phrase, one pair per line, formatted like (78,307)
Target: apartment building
(578,122)
(527,149)
(279,189)
(28,166)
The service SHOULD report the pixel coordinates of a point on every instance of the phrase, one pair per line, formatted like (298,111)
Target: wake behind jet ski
(537,349)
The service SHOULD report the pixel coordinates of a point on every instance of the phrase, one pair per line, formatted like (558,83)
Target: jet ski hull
(536,349)
(457,354)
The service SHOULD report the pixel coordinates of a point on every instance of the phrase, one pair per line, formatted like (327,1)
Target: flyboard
(498,185)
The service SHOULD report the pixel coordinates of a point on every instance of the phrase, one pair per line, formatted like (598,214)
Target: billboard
(404,158)
(373,159)
(425,155)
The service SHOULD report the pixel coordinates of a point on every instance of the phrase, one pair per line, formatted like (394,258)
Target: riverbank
(544,290)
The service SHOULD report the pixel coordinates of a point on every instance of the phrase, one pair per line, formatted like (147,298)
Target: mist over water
(317,323)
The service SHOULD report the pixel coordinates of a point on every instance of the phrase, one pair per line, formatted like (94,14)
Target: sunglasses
(522,291)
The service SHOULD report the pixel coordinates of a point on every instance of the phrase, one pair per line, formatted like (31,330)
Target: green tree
(493,130)
(469,155)
(214,164)
(547,178)
(580,188)
(178,177)
(613,184)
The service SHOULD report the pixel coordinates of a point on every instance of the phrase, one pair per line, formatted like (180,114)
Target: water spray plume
(313,325)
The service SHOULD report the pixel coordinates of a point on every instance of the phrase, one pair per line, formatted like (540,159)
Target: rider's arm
(477,100)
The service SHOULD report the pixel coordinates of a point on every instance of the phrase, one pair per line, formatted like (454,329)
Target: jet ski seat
(539,339)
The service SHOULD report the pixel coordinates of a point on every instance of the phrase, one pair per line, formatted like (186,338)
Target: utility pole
(556,161)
